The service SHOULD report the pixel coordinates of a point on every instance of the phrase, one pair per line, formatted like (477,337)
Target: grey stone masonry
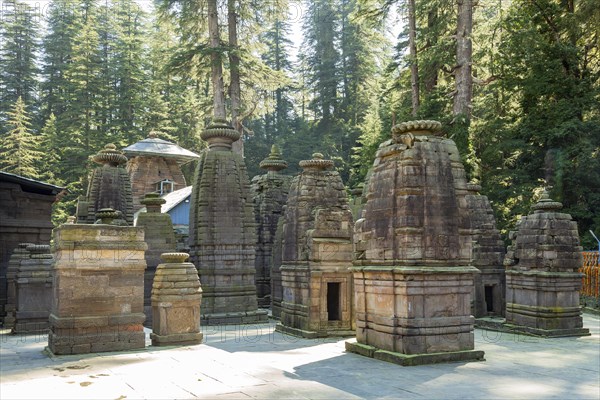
(542,273)
(488,256)
(276,288)
(34,290)
(160,238)
(223,232)
(98,302)
(412,274)
(109,187)
(270,193)
(18,254)
(317,254)
(176,297)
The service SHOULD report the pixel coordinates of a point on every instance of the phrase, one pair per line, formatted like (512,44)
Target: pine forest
(516,83)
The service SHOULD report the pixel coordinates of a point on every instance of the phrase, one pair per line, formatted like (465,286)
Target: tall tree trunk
(215,59)
(234,71)
(414,65)
(430,73)
(464,53)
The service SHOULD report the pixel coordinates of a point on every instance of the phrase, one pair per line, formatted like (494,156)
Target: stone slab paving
(254,362)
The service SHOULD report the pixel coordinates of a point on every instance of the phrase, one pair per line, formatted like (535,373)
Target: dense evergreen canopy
(516,84)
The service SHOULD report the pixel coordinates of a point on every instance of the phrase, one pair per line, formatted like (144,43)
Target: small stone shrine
(270,194)
(412,274)
(542,278)
(176,297)
(20,253)
(34,290)
(160,238)
(109,187)
(155,166)
(317,254)
(223,232)
(25,217)
(488,256)
(98,300)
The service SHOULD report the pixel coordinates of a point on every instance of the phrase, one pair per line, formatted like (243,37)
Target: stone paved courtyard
(239,362)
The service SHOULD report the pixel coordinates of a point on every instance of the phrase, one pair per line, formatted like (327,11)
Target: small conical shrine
(542,273)
(412,274)
(270,194)
(109,187)
(223,231)
(317,254)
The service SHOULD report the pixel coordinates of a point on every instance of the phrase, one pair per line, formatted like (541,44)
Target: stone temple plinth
(176,297)
(98,289)
(412,275)
(270,193)
(488,256)
(109,187)
(542,278)
(317,254)
(34,290)
(223,232)
(160,238)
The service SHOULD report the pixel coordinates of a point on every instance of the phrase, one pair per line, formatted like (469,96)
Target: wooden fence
(590,288)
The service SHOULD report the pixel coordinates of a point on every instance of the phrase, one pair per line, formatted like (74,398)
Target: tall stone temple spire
(223,231)
(412,274)
(270,193)
(109,187)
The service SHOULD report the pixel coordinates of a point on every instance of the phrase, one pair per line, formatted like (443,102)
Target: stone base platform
(500,325)
(234,318)
(288,330)
(176,339)
(407,360)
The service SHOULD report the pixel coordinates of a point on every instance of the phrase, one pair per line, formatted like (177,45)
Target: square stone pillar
(98,289)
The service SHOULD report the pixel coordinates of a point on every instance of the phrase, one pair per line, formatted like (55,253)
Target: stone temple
(542,273)
(154,165)
(412,274)
(488,256)
(317,253)
(109,187)
(270,194)
(223,232)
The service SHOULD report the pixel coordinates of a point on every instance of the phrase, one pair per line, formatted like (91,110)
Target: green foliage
(18,47)
(19,147)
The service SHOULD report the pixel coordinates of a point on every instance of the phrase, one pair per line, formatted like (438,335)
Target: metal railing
(590,289)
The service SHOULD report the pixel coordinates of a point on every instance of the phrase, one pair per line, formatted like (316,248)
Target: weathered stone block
(98,289)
